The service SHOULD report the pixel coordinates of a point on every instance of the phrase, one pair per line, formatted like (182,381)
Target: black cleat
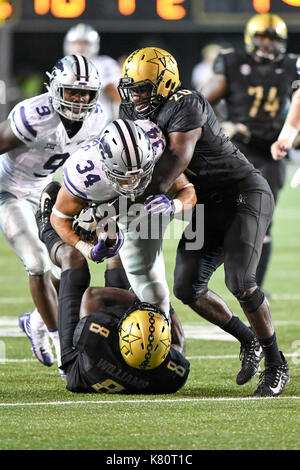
(273,379)
(47,201)
(250,354)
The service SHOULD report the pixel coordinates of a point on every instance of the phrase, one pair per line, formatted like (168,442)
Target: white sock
(55,340)
(36,320)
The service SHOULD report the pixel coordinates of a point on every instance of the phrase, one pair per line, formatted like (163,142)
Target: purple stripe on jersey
(26,123)
(70,185)
(25,138)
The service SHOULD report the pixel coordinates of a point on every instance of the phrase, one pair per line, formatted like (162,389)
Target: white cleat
(39,339)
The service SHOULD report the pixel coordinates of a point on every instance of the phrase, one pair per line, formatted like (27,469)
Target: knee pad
(36,265)
(253,301)
(156,293)
(189,294)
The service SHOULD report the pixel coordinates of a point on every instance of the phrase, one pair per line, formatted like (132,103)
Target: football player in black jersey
(109,341)
(238,206)
(257,84)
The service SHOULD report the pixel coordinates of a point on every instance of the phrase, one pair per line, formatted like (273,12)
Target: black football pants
(235,224)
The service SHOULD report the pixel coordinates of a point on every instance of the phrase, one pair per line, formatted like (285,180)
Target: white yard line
(203,357)
(138,401)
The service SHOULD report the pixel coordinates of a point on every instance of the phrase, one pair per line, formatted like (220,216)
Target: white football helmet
(82,39)
(74,72)
(128,158)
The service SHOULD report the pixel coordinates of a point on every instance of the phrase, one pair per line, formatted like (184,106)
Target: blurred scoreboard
(142,15)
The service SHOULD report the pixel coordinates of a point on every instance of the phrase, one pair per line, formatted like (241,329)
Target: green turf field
(211,412)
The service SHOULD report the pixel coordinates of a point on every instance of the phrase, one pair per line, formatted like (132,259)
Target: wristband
(288,133)
(60,214)
(177,206)
(84,248)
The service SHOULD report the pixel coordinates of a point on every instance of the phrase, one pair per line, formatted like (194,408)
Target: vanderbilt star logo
(166,342)
(163,62)
(128,337)
(241,199)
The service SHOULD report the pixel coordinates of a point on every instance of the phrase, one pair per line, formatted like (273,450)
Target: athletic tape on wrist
(178,206)
(60,214)
(288,133)
(84,248)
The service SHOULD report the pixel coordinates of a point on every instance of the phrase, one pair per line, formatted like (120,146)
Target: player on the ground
(238,206)
(93,359)
(120,346)
(122,165)
(257,84)
(37,138)
(84,39)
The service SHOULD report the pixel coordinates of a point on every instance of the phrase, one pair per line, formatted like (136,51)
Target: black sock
(50,237)
(270,348)
(116,277)
(263,263)
(73,284)
(239,330)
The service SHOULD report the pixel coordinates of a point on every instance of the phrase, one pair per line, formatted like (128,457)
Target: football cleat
(273,379)
(250,354)
(39,339)
(47,201)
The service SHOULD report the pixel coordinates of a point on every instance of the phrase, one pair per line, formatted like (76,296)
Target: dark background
(40,51)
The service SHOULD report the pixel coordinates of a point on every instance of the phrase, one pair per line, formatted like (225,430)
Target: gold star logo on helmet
(144,338)
(128,338)
(152,74)
(163,60)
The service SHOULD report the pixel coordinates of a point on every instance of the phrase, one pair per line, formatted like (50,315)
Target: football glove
(159,204)
(86,223)
(101,251)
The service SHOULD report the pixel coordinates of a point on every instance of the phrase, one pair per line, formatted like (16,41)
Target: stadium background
(210,409)
(30,43)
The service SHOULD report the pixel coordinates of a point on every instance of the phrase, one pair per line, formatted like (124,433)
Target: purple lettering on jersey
(59,65)
(71,188)
(25,138)
(26,123)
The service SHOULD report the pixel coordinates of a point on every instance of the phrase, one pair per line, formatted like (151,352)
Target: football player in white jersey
(38,136)
(122,165)
(84,39)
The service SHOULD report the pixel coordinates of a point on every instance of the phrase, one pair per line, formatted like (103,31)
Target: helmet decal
(149,76)
(164,61)
(144,337)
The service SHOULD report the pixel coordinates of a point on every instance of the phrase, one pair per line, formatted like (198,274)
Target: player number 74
(271,104)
